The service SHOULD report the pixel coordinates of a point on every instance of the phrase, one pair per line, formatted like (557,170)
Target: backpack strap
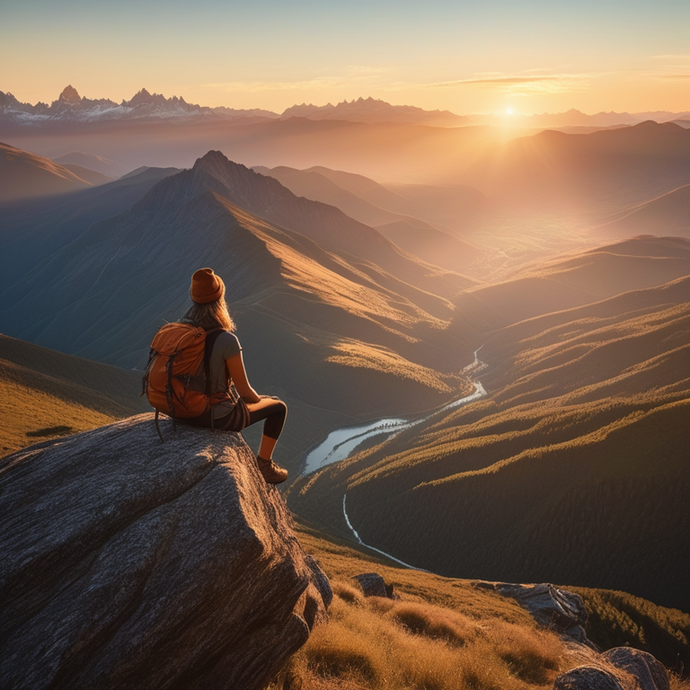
(158,429)
(211,337)
(147,371)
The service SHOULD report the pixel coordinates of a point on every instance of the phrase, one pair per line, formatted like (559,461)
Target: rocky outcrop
(131,563)
(551,607)
(621,668)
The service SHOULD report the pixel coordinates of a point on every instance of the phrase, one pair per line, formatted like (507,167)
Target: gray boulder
(621,668)
(373,585)
(589,678)
(129,563)
(552,607)
(648,671)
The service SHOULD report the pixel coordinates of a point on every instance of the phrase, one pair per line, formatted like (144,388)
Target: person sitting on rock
(210,312)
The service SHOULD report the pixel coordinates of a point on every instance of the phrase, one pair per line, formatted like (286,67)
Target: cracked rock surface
(127,562)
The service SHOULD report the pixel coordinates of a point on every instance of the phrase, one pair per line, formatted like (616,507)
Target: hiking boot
(272,473)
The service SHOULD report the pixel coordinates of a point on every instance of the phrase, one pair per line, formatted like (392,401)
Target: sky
(491,57)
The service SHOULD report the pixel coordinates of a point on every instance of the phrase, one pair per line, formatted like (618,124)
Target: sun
(510,111)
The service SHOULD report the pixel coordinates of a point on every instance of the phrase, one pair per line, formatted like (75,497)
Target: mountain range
(94,276)
(374,110)
(70,106)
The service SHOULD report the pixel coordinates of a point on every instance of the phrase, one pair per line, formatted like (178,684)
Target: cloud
(530,83)
(670,57)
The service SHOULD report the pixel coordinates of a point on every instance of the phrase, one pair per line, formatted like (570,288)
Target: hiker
(224,370)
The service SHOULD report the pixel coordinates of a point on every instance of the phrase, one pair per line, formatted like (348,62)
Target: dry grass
(45,394)
(379,643)
(356,354)
(441,634)
(29,416)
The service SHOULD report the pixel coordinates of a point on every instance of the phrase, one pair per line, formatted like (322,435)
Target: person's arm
(238,374)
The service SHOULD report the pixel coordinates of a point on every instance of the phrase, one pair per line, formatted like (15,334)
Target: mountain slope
(91,176)
(44,394)
(615,618)
(105,166)
(575,280)
(24,175)
(33,229)
(668,214)
(574,469)
(319,187)
(410,234)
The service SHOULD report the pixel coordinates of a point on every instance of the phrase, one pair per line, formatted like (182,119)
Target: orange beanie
(206,286)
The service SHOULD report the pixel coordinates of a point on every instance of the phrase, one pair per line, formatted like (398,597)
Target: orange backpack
(177,380)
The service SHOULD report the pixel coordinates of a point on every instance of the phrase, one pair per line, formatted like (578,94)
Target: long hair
(209,316)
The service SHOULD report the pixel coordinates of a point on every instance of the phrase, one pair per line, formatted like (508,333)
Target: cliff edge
(128,562)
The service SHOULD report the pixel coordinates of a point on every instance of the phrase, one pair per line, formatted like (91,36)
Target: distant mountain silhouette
(70,106)
(373,110)
(411,234)
(601,120)
(588,173)
(105,166)
(24,175)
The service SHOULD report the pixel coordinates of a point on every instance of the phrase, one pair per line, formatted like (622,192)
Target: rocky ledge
(131,563)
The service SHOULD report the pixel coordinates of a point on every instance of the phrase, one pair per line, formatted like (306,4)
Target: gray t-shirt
(226,346)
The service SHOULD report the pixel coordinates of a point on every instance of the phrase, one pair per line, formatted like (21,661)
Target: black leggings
(270,408)
(273,410)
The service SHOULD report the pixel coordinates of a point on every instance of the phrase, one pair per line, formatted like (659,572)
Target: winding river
(342,442)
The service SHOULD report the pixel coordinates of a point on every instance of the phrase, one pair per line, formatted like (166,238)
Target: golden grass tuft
(530,654)
(434,622)
(347,592)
